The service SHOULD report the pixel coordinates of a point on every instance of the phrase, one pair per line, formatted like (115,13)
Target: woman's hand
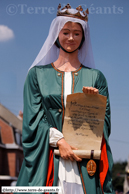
(90,90)
(66,151)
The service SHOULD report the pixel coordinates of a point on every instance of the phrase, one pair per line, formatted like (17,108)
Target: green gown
(44,108)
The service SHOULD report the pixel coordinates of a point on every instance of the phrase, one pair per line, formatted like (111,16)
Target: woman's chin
(70,49)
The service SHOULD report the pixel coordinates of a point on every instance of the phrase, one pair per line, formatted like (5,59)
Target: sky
(24,25)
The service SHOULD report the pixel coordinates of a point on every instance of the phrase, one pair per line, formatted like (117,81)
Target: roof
(10,118)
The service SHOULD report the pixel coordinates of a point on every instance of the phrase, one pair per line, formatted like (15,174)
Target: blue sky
(24,25)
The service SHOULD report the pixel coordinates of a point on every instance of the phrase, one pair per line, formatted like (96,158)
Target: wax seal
(91,167)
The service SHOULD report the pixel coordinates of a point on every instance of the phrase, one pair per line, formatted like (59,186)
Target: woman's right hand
(66,151)
(90,90)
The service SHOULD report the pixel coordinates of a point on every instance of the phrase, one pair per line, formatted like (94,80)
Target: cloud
(5,33)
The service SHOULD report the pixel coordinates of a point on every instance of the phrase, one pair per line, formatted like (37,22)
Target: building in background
(11,152)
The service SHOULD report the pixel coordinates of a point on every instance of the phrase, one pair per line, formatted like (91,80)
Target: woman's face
(70,36)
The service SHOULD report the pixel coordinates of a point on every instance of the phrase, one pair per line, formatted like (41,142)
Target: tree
(118,174)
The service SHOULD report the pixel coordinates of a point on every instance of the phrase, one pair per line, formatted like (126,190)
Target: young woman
(63,66)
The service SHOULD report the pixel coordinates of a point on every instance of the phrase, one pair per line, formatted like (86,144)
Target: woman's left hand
(90,90)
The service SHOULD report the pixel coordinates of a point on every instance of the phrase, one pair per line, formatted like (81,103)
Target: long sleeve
(101,84)
(54,136)
(35,133)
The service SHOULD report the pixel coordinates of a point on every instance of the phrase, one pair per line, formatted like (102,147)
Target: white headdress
(50,52)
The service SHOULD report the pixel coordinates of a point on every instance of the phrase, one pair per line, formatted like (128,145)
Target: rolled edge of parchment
(84,153)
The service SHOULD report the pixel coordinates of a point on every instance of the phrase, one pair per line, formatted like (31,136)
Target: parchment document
(84,121)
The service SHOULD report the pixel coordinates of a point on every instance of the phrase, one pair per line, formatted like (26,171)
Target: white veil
(49,51)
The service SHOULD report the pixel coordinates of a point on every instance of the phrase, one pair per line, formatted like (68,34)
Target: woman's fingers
(73,157)
(73,148)
(77,158)
(96,91)
(70,155)
(66,151)
(90,90)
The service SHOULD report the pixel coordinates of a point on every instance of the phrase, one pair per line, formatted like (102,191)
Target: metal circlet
(76,15)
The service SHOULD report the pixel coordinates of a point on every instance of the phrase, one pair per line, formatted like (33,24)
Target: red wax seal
(91,167)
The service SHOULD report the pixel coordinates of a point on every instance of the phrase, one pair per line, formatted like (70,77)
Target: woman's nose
(71,37)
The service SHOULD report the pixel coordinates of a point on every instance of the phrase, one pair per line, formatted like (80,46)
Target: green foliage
(118,174)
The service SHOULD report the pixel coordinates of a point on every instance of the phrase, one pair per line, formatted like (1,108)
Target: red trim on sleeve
(103,165)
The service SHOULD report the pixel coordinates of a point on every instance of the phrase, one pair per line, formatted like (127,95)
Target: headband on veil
(50,52)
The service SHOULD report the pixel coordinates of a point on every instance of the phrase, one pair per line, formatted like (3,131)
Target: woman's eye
(76,34)
(65,33)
